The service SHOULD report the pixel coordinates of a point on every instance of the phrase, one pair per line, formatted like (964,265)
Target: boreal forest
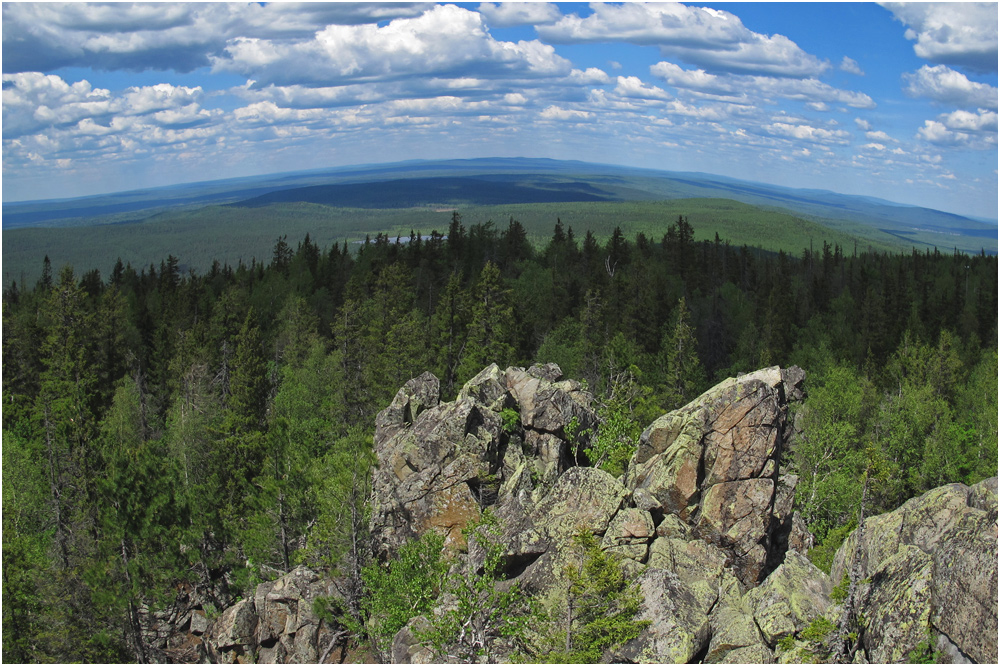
(165,431)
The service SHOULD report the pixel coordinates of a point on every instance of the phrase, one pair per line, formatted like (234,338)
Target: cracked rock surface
(702,520)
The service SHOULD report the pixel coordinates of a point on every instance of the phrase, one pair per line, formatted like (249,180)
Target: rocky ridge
(703,519)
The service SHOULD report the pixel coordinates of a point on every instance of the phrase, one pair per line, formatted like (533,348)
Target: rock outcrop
(929,570)
(702,507)
(440,464)
(702,519)
(278,624)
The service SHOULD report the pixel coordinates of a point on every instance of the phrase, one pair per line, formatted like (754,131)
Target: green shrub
(510,420)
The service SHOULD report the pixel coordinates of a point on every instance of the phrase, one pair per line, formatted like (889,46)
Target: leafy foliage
(478,615)
(599,609)
(401,589)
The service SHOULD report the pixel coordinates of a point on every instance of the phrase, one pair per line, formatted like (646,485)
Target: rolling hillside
(238,219)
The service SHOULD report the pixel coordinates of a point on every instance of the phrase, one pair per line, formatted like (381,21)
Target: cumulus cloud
(510,14)
(951,33)
(965,121)
(807,133)
(862,124)
(33,102)
(880,136)
(962,129)
(591,76)
(945,85)
(445,41)
(851,66)
(707,38)
(808,90)
(693,79)
(557,113)
(632,86)
(163,36)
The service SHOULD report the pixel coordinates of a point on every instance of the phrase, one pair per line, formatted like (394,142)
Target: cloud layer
(711,39)
(349,82)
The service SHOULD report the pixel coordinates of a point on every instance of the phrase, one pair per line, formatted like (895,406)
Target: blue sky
(891,100)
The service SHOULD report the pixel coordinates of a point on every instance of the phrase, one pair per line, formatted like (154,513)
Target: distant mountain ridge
(491,181)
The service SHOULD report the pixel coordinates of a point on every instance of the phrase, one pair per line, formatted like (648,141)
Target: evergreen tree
(450,324)
(684,377)
(491,332)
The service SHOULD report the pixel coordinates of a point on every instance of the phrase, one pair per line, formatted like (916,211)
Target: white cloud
(806,90)
(817,106)
(692,79)
(939,133)
(807,133)
(631,86)
(446,41)
(163,36)
(591,76)
(34,102)
(880,136)
(510,14)
(965,121)
(862,124)
(714,40)
(947,86)
(951,33)
(851,66)
(557,113)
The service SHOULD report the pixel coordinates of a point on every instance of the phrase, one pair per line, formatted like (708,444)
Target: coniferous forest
(165,430)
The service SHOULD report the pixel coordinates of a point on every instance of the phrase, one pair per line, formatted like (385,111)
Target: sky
(892,100)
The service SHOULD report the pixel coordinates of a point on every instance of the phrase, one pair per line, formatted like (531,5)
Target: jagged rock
(964,594)
(897,605)
(790,598)
(199,623)
(417,395)
(700,566)
(752,654)
(678,629)
(932,567)
(547,405)
(406,647)
(735,637)
(234,633)
(278,624)
(439,470)
(489,388)
(629,526)
(430,471)
(550,453)
(713,463)
(583,498)
(800,539)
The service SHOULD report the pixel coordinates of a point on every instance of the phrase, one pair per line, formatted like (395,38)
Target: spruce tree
(684,376)
(491,331)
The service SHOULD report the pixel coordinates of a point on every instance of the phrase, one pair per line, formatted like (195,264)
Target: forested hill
(167,432)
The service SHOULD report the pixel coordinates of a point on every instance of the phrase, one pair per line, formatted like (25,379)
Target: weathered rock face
(714,464)
(702,520)
(440,464)
(702,507)
(930,566)
(278,625)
